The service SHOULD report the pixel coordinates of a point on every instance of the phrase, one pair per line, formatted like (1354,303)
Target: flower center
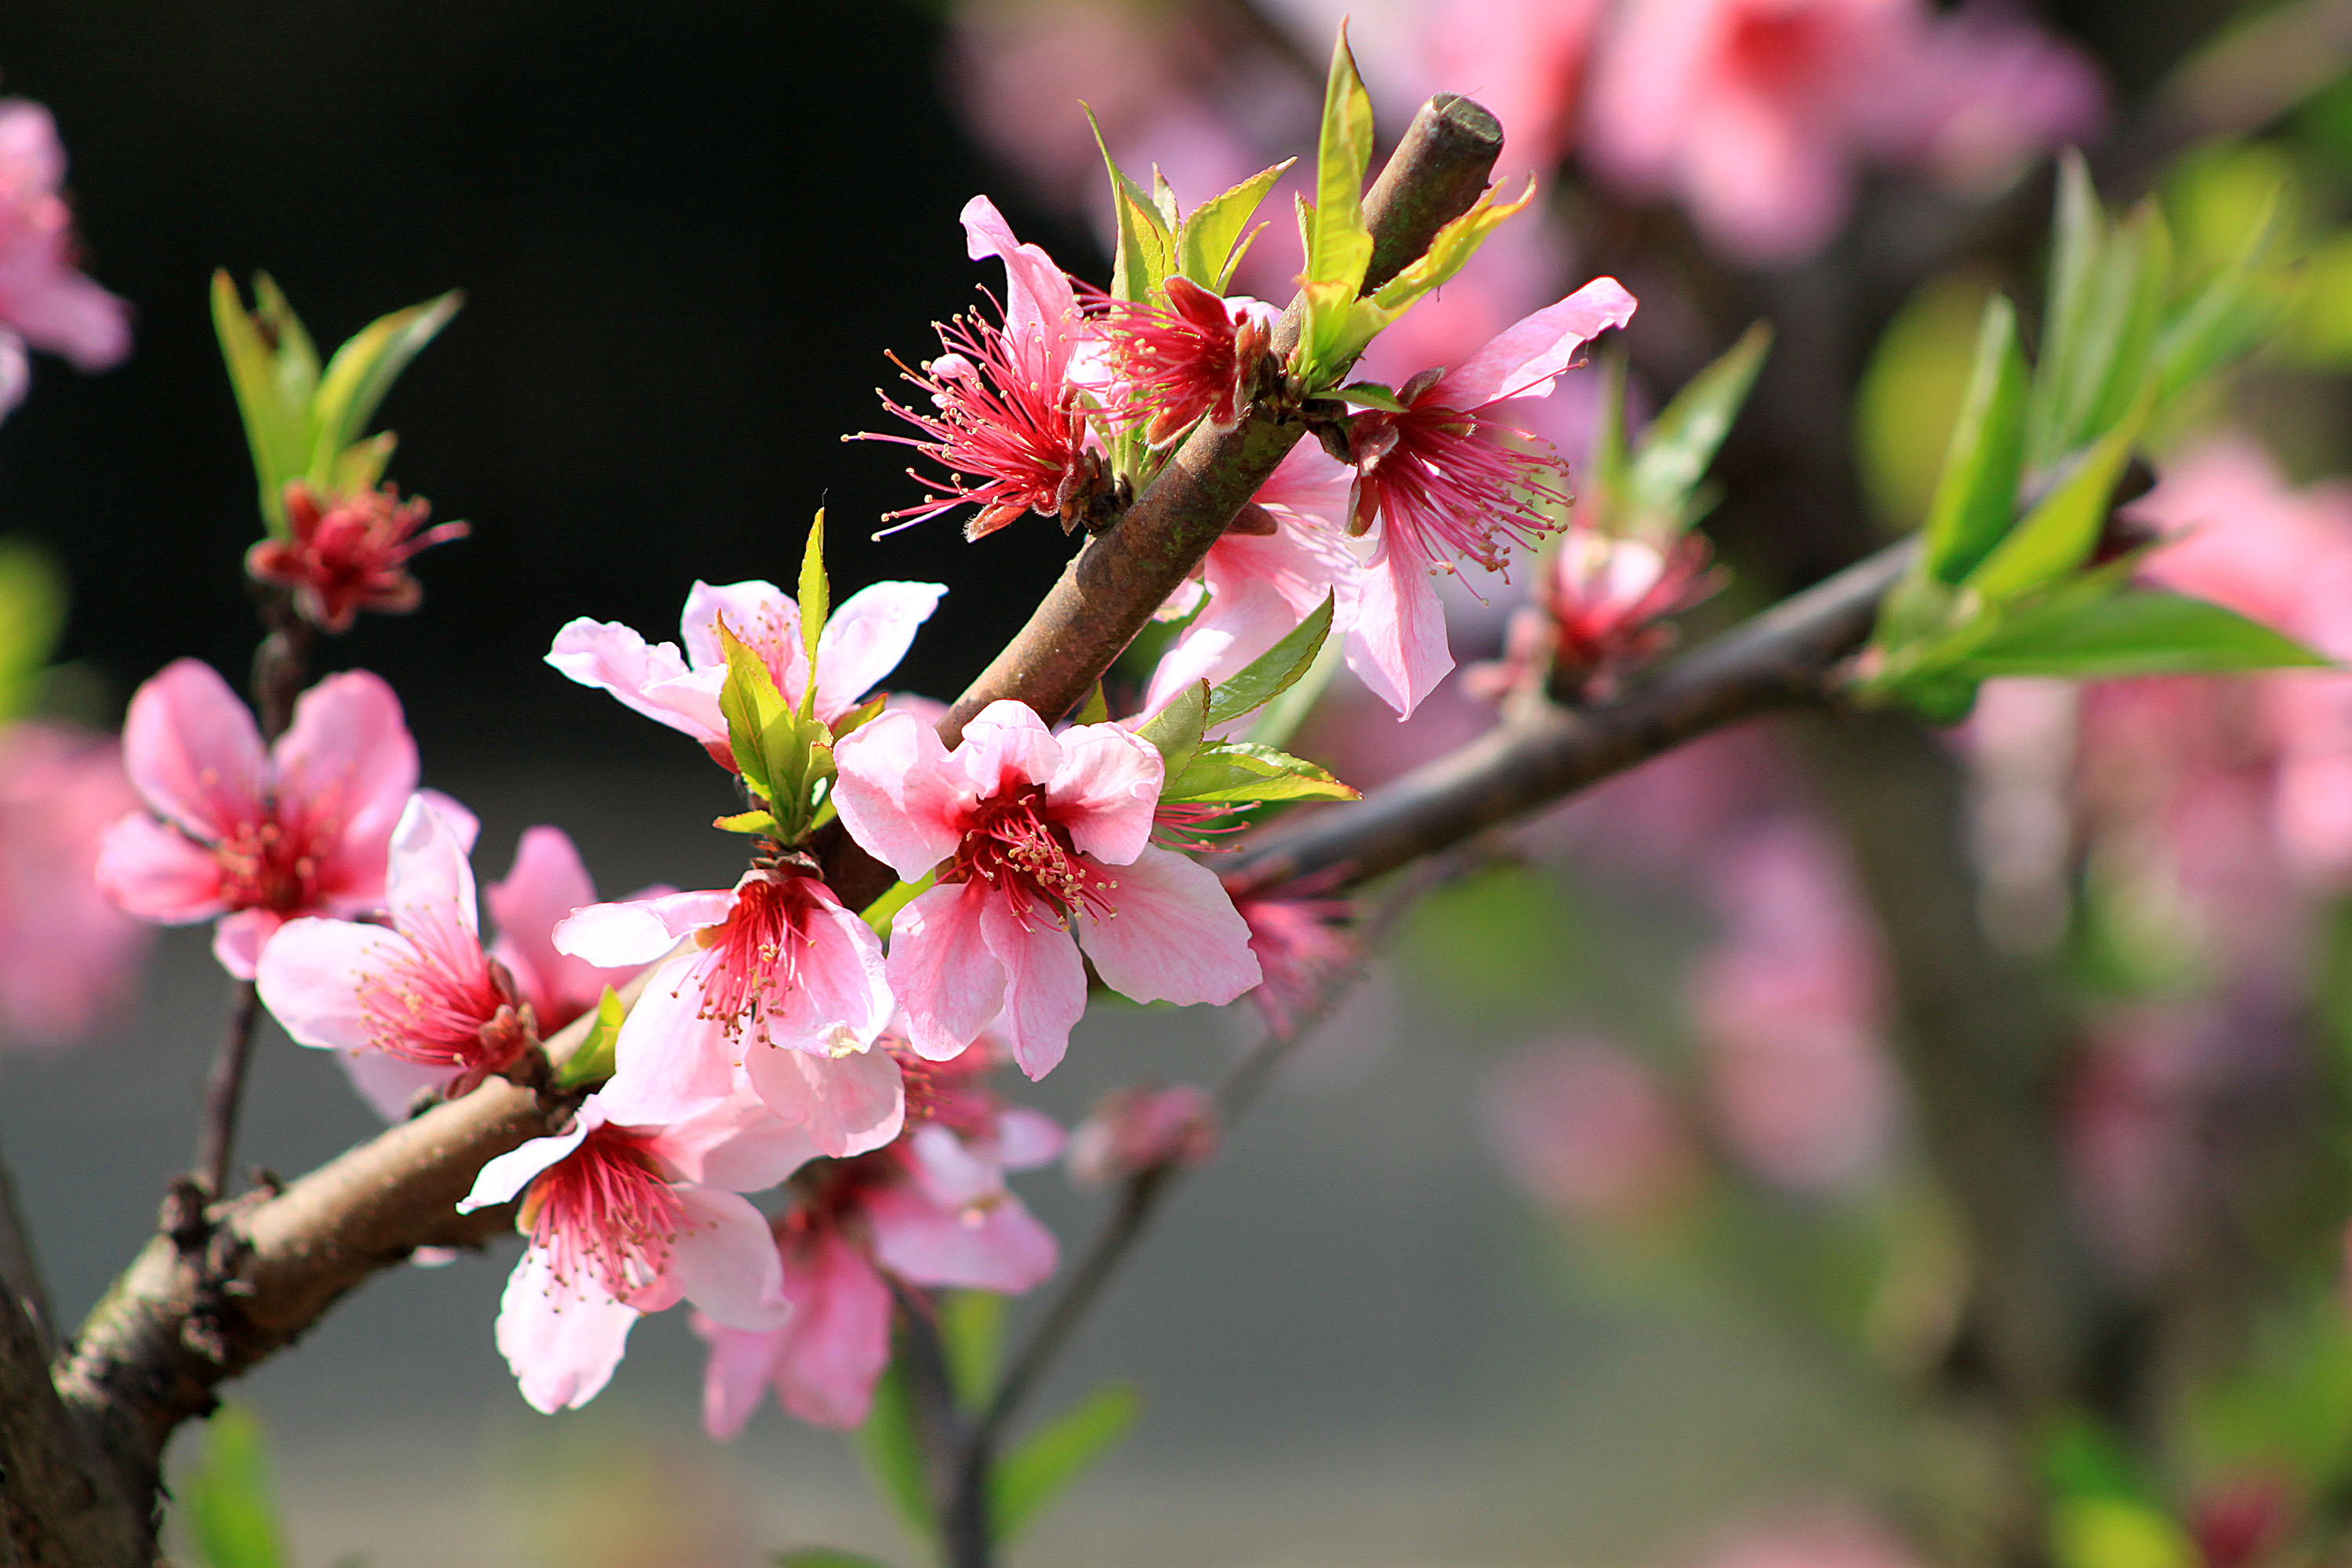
(1441,482)
(947,1092)
(1011,844)
(269,865)
(449,1006)
(755,954)
(604,1212)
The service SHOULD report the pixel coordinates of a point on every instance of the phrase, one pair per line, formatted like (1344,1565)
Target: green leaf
(1368,394)
(1210,242)
(1683,440)
(273,370)
(363,370)
(2078,235)
(826,1557)
(1238,771)
(782,755)
(1094,709)
(2059,533)
(229,1509)
(2228,317)
(2134,633)
(882,910)
(1280,718)
(746,822)
(1976,495)
(32,615)
(817,605)
(594,1061)
(2118,327)
(1139,259)
(1339,247)
(2111,1533)
(1175,729)
(1057,1453)
(892,1449)
(1272,673)
(971,1333)
(1450,249)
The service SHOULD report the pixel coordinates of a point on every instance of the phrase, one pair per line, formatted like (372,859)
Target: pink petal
(952,1174)
(689,702)
(611,657)
(843,1105)
(669,1061)
(156,873)
(838,1341)
(546,883)
(310,976)
(192,750)
(502,1179)
(948,982)
(899,795)
(738,1144)
(865,639)
(463,824)
(741,1362)
(1523,359)
(636,932)
(239,939)
(761,617)
(429,881)
(67,314)
(1174,935)
(1002,1248)
(1396,632)
(1007,745)
(348,760)
(843,997)
(723,1259)
(1027,1138)
(1045,984)
(1039,303)
(1105,790)
(562,1337)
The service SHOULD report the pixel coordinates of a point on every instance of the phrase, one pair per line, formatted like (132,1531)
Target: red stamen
(604,1212)
(1012,845)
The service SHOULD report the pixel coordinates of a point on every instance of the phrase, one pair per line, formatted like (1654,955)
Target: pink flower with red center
(349,554)
(45,303)
(932,1209)
(1009,426)
(625,1220)
(1599,605)
(421,990)
(1442,489)
(68,955)
(772,980)
(1302,945)
(1193,358)
(259,837)
(862,643)
(1039,843)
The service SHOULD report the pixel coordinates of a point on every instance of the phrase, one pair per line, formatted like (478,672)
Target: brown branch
(1777,660)
(224,1090)
(20,1268)
(59,1507)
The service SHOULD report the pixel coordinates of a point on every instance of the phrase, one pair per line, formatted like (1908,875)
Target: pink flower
(421,990)
(1040,843)
(1009,427)
(1523,59)
(1756,112)
(1599,604)
(303,829)
(1301,945)
(1131,1130)
(774,977)
(1193,358)
(68,955)
(1824,1538)
(43,302)
(930,1209)
(625,1220)
(546,883)
(350,553)
(1590,1132)
(1442,489)
(1790,1005)
(862,643)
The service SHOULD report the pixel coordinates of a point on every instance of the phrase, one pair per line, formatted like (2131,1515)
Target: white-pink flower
(862,643)
(1040,843)
(931,1209)
(260,837)
(770,979)
(419,990)
(45,302)
(626,1220)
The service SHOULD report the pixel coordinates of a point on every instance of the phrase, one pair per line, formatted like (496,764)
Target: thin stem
(224,1090)
(965,1524)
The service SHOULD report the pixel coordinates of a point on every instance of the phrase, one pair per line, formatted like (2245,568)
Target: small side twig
(224,1090)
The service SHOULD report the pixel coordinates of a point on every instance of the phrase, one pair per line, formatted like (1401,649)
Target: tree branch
(20,1269)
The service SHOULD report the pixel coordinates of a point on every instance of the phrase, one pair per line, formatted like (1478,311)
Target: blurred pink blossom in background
(69,957)
(1589,1131)
(45,303)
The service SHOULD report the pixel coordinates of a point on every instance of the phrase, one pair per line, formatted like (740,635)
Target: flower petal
(742,1364)
(1027,1138)
(1002,1248)
(391,1085)
(865,639)
(761,616)
(563,1337)
(638,931)
(838,1341)
(429,881)
(1040,306)
(1045,984)
(156,873)
(1525,358)
(239,939)
(1173,936)
(948,982)
(311,974)
(546,883)
(1396,631)
(611,657)
(842,998)
(843,1105)
(723,1259)
(1007,745)
(670,1062)
(1105,791)
(899,795)
(192,750)
(501,1179)
(738,1144)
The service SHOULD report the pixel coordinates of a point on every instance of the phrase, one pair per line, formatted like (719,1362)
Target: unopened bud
(1134,1129)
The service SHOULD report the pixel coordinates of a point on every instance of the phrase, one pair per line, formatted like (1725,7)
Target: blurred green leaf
(2059,534)
(2133,633)
(595,1059)
(1273,672)
(1057,1453)
(826,1557)
(32,616)
(2078,236)
(892,1449)
(1976,495)
(229,1508)
(2108,1533)
(1676,449)
(274,371)
(1212,241)
(363,372)
(763,822)
(971,1333)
